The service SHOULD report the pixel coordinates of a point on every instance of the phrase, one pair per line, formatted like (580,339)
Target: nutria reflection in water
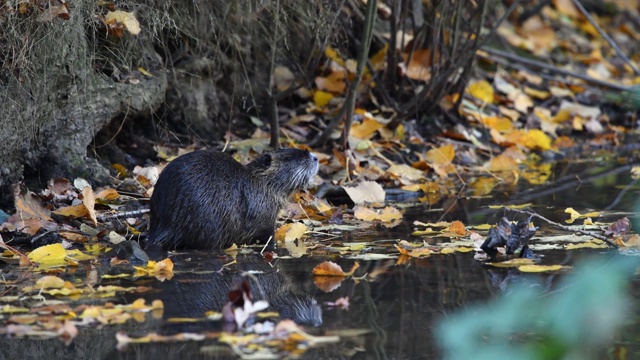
(192,294)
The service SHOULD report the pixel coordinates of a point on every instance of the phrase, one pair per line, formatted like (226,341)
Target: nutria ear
(264,161)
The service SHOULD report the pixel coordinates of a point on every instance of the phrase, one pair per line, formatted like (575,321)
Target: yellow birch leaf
(322,98)
(482,91)
(53,254)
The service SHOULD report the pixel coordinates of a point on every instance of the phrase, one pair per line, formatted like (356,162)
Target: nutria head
(284,171)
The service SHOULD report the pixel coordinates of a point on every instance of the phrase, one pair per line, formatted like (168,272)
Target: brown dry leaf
(389,214)
(89,201)
(53,11)
(119,18)
(108,194)
(327,283)
(419,67)
(77,211)
(329,268)
(29,206)
(366,192)
(482,91)
(405,172)
(283,78)
(634,241)
(502,162)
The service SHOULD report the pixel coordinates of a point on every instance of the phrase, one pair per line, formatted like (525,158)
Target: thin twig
(564,227)
(606,36)
(554,69)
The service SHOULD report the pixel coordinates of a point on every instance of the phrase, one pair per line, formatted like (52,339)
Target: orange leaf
(329,268)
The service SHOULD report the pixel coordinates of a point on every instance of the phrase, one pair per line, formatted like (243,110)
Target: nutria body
(207,200)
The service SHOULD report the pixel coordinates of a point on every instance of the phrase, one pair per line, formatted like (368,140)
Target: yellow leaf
(441,156)
(378,61)
(593,244)
(541,268)
(48,255)
(332,54)
(366,129)
(536,140)
(296,231)
(49,282)
(128,19)
(482,91)
(322,98)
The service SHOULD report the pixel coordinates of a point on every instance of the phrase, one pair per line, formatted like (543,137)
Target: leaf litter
(515,128)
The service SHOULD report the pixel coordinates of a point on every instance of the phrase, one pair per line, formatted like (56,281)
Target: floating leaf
(541,268)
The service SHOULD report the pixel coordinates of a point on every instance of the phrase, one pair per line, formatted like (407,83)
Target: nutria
(207,200)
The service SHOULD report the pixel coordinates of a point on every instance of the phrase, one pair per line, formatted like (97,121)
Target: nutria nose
(314,158)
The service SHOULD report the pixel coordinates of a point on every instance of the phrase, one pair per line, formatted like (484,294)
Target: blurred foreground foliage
(575,321)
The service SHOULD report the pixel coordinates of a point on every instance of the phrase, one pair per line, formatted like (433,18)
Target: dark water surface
(391,316)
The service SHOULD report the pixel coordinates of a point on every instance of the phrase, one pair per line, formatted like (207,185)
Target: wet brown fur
(207,200)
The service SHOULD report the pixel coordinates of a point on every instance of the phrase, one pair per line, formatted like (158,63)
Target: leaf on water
(620,227)
(49,282)
(457,227)
(576,215)
(329,268)
(67,332)
(541,268)
(633,241)
(366,192)
(388,214)
(512,263)
(327,283)
(296,231)
(593,244)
